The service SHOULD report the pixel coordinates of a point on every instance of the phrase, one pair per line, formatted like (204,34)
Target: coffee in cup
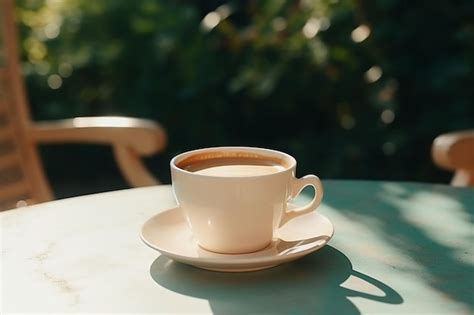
(235,198)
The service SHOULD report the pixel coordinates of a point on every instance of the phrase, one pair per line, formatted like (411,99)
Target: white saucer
(168,233)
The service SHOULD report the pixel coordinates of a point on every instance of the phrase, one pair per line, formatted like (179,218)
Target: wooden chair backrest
(22,180)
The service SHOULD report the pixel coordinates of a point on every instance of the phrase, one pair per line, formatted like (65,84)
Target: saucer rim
(233,259)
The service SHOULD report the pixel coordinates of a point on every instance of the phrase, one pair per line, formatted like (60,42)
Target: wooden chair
(455,152)
(22,180)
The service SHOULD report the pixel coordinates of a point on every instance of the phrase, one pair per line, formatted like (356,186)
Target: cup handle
(297,186)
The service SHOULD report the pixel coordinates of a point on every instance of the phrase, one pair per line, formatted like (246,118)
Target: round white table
(398,248)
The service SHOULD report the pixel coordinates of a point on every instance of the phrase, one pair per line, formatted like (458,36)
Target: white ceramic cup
(239,214)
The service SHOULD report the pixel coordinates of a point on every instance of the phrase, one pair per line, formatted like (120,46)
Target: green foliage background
(257,79)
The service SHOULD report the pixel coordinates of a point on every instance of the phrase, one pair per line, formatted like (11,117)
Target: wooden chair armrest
(132,167)
(145,137)
(455,150)
(130,138)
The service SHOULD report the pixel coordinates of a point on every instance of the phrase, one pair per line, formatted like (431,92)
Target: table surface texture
(398,248)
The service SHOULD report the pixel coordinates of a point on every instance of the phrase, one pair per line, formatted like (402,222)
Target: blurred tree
(352,89)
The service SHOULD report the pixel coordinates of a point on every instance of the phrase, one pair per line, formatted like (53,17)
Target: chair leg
(463,178)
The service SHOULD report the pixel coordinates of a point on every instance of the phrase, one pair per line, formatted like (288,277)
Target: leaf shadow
(442,268)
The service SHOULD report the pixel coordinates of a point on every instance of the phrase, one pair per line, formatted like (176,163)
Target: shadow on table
(310,285)
(442,264)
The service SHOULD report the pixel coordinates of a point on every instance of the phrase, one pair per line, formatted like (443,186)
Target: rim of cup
(291,160)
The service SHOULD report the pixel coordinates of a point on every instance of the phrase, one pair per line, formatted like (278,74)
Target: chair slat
(14,190)
(22,180)
(5,133)
(3,74)
(9,160)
